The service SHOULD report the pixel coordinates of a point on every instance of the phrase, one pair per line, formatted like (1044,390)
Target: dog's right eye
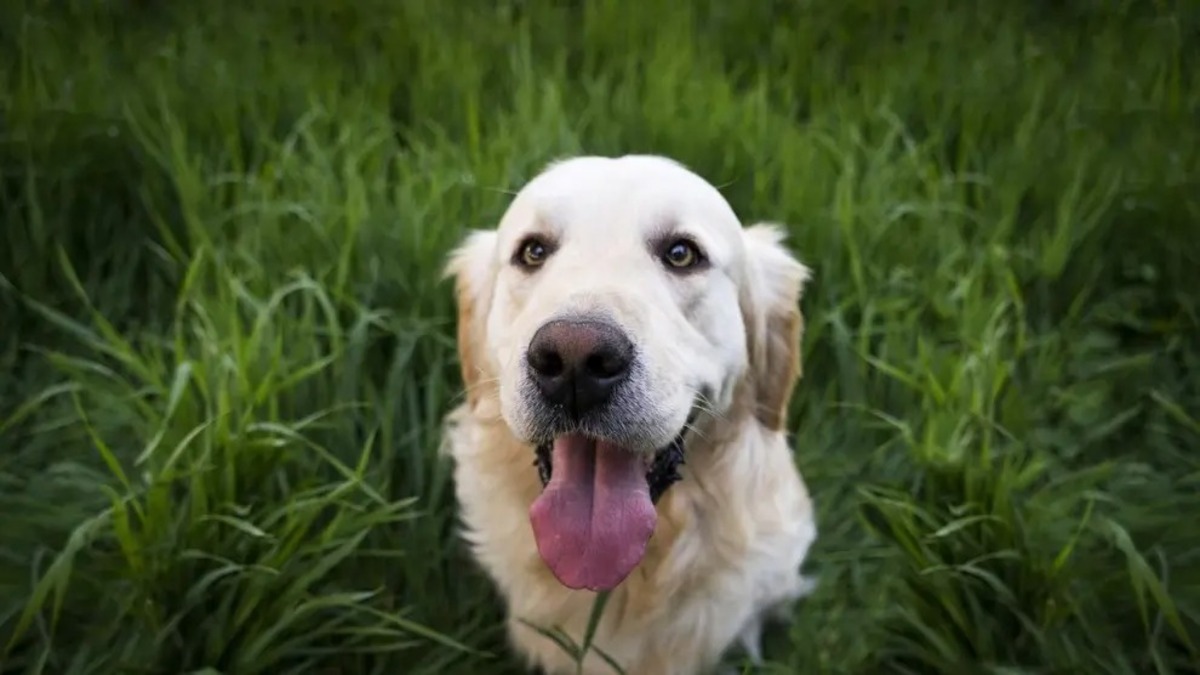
(531,253)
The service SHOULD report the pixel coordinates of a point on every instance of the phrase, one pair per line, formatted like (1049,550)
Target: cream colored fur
(732,534)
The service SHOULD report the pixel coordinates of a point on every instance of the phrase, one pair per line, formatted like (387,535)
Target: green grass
(227,349)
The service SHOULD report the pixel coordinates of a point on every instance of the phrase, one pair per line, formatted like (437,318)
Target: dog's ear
(770,301)
(472,267)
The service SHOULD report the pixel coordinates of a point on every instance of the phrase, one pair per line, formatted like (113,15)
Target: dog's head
(618,301)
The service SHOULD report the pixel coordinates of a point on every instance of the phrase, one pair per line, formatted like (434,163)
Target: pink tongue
(594,518)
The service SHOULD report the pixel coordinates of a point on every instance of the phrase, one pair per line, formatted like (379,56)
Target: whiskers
(625,422)
(481,385)
(703,406)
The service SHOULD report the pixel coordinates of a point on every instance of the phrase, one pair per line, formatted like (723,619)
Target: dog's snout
(578,363)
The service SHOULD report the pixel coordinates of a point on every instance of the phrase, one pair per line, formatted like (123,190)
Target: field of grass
(226,348)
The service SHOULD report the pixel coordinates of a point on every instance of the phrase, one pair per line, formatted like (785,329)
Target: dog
(628,351)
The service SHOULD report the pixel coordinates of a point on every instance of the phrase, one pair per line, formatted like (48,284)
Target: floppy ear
(774,325)
(471,266)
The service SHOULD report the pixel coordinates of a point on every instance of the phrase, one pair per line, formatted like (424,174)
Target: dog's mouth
(596,512)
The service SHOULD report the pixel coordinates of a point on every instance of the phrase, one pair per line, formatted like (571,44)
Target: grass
(228,350)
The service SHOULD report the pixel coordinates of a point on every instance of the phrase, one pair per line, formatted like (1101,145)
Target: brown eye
(532,253)
(682,254)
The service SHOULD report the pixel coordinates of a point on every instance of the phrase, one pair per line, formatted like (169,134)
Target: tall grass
(228,350)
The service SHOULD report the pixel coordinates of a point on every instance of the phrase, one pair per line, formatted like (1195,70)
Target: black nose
(577,364)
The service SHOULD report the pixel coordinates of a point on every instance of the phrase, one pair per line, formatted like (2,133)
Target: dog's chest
(728,543)
(688,600)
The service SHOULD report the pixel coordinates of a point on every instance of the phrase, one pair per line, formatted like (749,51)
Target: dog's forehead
(621,198)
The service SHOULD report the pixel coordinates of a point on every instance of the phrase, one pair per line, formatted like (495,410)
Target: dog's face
(617,301)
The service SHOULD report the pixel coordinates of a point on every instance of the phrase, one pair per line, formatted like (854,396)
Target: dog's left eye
(682,254)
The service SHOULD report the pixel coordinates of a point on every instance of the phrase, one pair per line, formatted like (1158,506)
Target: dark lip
(662,474)
(664,466)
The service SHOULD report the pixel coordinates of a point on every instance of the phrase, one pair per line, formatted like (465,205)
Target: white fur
(732,534)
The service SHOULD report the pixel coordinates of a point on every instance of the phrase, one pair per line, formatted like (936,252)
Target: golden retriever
(628,351)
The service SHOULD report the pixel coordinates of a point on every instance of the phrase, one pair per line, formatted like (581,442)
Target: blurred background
(226,349)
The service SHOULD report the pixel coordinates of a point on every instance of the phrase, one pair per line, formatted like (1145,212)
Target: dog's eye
(682,254)
(532,253)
